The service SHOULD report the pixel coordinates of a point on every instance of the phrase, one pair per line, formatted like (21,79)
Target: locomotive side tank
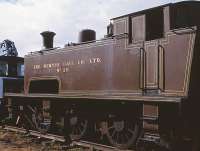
(140,59)
(138,86)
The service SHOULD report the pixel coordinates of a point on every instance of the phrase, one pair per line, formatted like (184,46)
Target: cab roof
(161,6)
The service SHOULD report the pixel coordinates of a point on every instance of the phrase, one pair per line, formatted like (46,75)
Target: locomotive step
(150,138)
(151,141)
(150,119)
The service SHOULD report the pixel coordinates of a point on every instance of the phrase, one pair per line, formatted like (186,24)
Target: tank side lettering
(66,65)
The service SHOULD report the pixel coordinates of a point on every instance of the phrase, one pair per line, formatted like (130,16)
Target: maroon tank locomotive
(138,86)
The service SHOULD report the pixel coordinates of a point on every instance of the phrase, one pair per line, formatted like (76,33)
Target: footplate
(149,142)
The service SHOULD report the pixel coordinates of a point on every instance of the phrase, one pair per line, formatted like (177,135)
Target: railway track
(75,145)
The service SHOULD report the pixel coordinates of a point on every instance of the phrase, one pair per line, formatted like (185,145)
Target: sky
(22,21)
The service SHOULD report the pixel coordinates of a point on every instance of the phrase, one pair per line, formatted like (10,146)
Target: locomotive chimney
(87,35)
(48,39)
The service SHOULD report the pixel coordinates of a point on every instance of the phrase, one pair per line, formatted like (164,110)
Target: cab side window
(180,16)
(20,69)
(146,26)
(3,68)
(154,24)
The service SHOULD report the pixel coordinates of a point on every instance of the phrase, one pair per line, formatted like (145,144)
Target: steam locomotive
(11,72)
(136,87)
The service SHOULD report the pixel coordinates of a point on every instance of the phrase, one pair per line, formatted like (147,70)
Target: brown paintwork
(150,111)
(138,28)
(119,68)
(113,72)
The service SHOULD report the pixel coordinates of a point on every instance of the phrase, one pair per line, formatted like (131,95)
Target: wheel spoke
(117,137)
(73,131)
(131,131)
(113,133)
(37,119)
(123,138)
(78,126)
(82,124)
(122,134)
(79,129)
(76,130)
(110,128)
(126,136)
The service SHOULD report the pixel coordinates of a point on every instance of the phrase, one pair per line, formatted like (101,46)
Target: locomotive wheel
(22,120)
(39,121)
(122,133)
(78,127)
(75,123)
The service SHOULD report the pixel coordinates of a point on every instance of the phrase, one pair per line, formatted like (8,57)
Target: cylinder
(48,39)
(87,35)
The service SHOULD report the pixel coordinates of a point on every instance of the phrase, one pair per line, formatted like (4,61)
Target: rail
(85,144)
